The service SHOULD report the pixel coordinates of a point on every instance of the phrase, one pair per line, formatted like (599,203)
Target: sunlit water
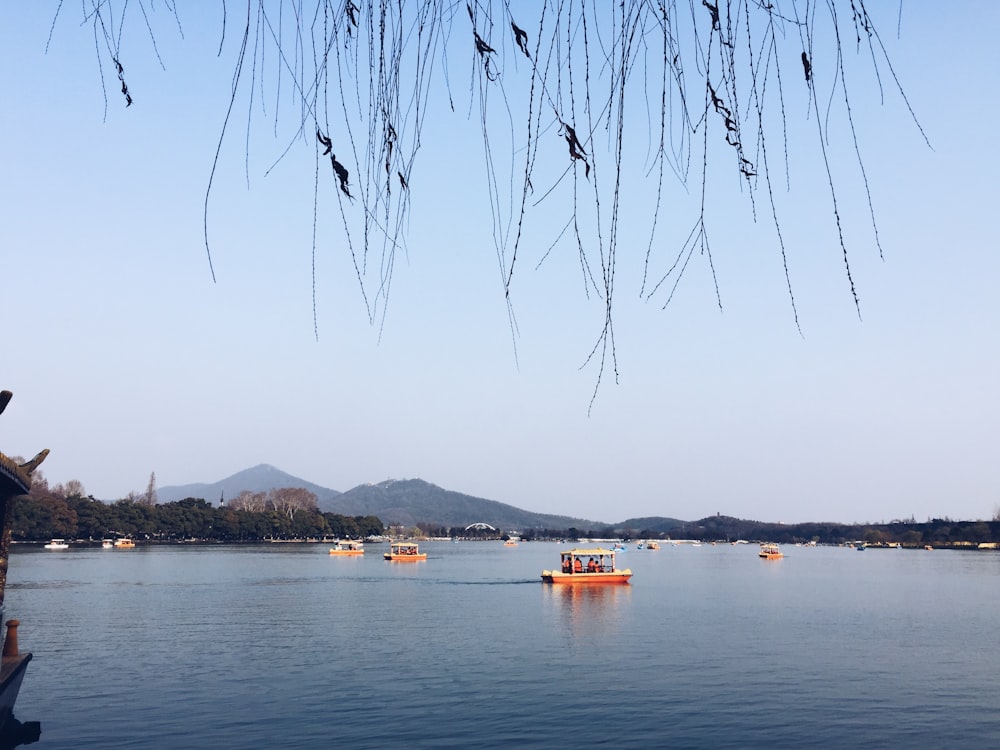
(285,646)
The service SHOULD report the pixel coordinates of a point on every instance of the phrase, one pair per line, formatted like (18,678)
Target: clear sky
(125,357)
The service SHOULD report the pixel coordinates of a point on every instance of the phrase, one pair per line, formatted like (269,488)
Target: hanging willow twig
(706,76)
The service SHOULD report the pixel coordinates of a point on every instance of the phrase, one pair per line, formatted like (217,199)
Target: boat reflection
(17,733)
(588,609)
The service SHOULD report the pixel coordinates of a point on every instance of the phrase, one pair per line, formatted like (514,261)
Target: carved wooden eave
(13,480)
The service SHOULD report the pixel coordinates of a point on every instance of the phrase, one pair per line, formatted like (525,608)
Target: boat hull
(405,558)
(585,579)
(347,552)
(11,675)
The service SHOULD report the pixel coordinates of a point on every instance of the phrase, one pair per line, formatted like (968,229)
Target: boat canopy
(584,552)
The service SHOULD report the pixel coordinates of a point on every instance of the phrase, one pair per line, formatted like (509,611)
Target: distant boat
(57,544)
(107,544)
(770,552)
(599,568)
(347,548)
(510,542)
(860,546)
(124,543)
(404,552)
(618,547)
(652,545)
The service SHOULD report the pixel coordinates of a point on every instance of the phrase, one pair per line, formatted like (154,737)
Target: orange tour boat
(347,548)
(404,552)
(587,565)
(770,552)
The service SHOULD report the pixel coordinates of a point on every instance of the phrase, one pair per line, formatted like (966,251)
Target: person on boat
(567,565)
(591,566)
(577,565)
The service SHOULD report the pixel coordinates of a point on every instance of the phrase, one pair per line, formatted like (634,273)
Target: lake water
(285,646)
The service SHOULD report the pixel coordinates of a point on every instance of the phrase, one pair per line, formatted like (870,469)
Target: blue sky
(125,357)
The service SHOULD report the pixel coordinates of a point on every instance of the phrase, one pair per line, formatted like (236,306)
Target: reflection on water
(587,610)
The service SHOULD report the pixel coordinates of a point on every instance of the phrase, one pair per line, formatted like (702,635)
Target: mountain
(405,501)
(260,478)
(408,501)
(659,524)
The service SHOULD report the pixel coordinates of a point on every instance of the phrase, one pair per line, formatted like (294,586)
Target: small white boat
(57,544)
(107,544)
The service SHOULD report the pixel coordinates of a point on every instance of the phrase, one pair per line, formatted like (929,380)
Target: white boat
(57,544)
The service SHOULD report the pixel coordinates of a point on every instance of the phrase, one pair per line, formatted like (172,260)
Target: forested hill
(402,501)
(412,501)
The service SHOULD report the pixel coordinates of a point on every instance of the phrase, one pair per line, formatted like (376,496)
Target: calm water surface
(285,646)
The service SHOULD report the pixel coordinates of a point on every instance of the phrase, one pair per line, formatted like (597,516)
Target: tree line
(289,513)
(63,512)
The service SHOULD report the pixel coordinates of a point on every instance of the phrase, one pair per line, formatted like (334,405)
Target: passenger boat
(404,552)
(57,544)
(347,548)
(770,552)
(652,545)
(124,543)
(510,543)
(587,566)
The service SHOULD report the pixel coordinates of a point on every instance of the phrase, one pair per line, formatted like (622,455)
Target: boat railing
(585,570)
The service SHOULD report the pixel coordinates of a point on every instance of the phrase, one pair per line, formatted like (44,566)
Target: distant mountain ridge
(394,501)
(260,478)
